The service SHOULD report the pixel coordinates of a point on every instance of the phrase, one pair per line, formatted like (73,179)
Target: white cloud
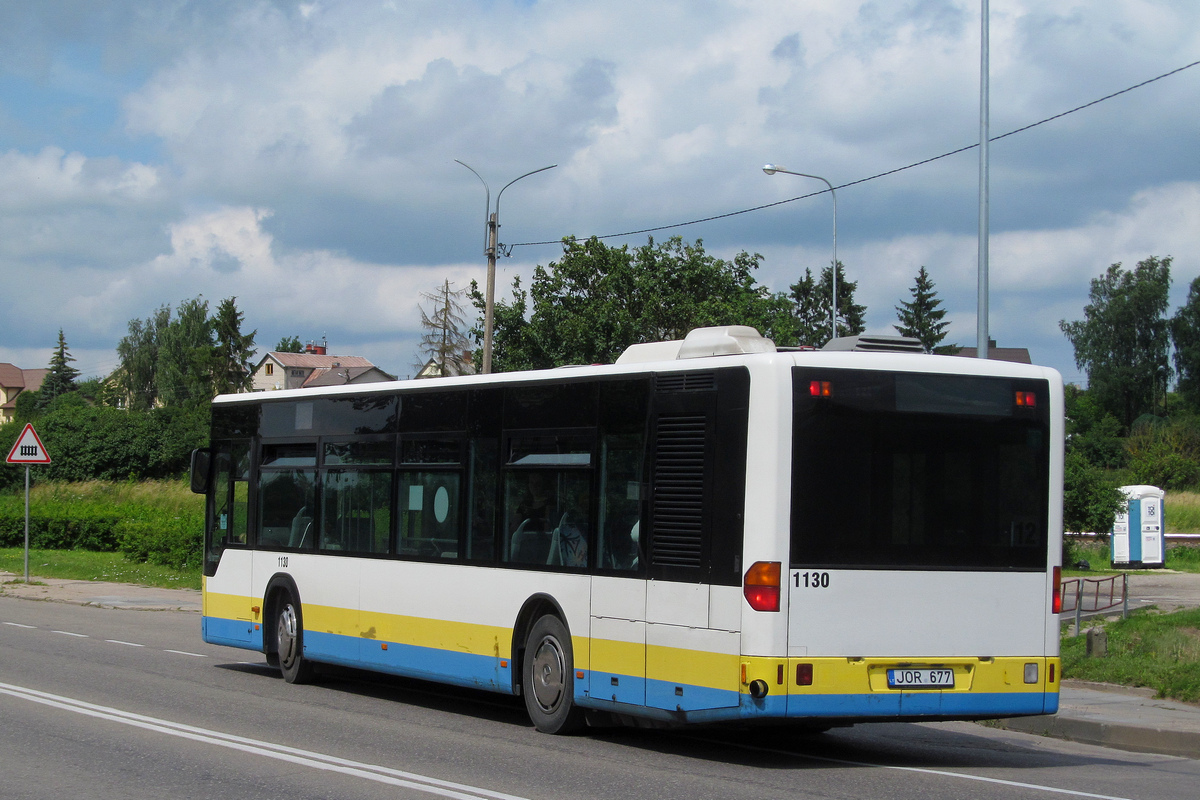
(300,156)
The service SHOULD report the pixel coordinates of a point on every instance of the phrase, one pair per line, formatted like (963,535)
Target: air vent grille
(679,491)
(686,381)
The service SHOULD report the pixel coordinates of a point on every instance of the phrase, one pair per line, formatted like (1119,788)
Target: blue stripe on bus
(636,695)
(413,661)
(231,632)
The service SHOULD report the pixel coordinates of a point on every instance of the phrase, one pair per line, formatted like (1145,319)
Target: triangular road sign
(28,449)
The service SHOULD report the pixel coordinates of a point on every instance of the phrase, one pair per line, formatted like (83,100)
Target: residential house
(13,381)
(465,366)
(313,368)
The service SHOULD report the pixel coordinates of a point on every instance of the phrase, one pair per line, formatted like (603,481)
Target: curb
(1107,734)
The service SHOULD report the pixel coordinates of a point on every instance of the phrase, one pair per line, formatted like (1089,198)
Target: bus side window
(218,525)
(481,514)
(239,512)
(620,502)
(357,510)
(429,503)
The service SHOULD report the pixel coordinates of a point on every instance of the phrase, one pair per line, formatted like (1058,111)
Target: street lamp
(492,219)
(771,169)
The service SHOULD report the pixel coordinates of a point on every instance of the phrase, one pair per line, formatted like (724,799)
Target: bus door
(697,486)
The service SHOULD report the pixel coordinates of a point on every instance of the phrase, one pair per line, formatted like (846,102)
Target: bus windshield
(919,471)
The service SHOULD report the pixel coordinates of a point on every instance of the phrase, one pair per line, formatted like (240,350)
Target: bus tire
(289,640)
(548,678)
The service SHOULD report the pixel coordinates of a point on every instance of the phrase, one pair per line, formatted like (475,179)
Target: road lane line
(19,625)
(127,644)
(372,772)
(68,633)
(186,653)
(923,770)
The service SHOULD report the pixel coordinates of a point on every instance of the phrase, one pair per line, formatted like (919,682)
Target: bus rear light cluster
(761,585)
(1056,592)
(804,674)
(1027,399)
(820,388)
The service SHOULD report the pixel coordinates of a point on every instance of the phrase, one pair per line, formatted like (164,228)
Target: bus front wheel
(289,638)
(548,678)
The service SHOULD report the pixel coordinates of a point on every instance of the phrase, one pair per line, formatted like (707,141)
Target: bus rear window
(916,471)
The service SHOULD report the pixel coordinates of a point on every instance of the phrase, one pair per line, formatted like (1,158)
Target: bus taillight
(1056,592)
(761,585)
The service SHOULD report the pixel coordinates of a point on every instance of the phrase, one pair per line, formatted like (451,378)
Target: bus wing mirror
(201,469)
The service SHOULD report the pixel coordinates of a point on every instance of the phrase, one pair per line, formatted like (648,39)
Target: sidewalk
(1111,716)
(101,594)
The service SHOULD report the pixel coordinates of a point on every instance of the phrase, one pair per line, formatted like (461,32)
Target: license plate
(920,678)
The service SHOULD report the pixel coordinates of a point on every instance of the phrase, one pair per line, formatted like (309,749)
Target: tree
(921,318)
(231,351)
(137,374)
(184,357)
(812,301)
(61,378)
(1122,342)
(289,344)
(1185,334)
(445,341)
(596,300)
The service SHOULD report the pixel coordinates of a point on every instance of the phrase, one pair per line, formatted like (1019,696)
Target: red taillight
(761,585)
(1056,592)
(820,388)
(1027,399)
(804,674)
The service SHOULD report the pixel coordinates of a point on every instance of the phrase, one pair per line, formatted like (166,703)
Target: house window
(270,369)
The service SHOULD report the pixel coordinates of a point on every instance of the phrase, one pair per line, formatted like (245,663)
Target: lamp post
(771,169)
(492,219)
(981,313)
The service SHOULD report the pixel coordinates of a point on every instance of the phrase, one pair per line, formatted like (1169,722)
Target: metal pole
(1124,595)
(490,302)
(493,229)
(27,524)
(1079,603)
(981,314)
(771,169)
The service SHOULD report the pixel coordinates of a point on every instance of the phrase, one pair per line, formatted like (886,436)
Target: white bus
(709,530)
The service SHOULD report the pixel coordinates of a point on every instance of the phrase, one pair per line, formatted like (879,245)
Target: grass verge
(1181,557)
(83,565)
(1159,651)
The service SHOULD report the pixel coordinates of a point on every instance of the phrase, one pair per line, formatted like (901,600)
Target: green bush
(162,539)
(159,522)
(1090,500)
(101,443)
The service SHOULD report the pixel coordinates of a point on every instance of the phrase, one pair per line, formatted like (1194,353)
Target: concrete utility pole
(490,248)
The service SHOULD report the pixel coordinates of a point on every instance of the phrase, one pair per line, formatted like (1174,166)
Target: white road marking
(127,644)
(938,772)
(19,625)
(186,653)
(306,758)
(68,633)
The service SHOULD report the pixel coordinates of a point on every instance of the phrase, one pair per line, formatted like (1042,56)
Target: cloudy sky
(301,156)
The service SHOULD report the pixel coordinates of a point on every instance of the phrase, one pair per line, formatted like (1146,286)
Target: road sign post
(28,450)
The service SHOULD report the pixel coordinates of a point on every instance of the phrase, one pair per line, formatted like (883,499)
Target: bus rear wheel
(289,639)
(548,678)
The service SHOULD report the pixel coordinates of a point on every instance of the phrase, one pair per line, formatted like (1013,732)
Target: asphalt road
(109,703)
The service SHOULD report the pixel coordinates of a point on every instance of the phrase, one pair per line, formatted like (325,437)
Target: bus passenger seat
(301,525)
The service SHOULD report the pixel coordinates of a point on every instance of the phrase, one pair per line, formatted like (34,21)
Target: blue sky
(300,156)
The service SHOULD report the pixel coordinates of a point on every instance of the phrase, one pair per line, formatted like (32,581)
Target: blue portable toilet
(1138,536)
